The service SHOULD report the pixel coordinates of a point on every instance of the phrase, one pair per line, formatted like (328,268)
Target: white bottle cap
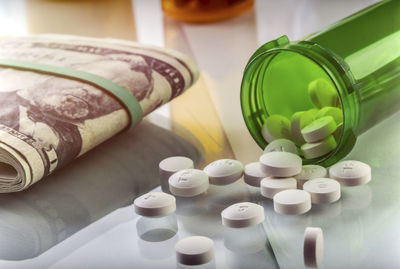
(194,250)
(188,183)
(224,172)
(155,204)
(242,215)
(292,202)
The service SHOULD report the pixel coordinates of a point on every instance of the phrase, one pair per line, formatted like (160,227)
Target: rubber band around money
(130,103)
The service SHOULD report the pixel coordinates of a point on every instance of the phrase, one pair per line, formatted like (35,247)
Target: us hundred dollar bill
(46,121)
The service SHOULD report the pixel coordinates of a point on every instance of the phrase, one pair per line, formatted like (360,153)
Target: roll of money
(46,120)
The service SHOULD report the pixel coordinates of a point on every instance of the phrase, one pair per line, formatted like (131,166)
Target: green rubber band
(126,98)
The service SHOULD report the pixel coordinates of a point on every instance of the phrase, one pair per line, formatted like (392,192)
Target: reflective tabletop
(82,216)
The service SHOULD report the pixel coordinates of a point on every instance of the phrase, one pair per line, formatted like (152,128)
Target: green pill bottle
(358,56)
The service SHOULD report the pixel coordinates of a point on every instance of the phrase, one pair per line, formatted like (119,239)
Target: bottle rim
(340,75)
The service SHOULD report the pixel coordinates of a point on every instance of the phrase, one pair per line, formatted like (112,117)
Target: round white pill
(281,144)
(318,149)
(323,190)
(194,250)
(224,172)
(300,120)
(171,165)
(253,174)
(188,182)
(242,215)
(280,164)
(319,129)
(155,204)
(271,186)
(292,202)
(308,172)
(313,248)
(350,173)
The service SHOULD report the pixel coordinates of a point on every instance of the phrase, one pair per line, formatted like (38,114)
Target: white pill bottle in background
(358,58)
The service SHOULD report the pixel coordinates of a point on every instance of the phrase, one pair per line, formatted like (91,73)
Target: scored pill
(194,250)
(224,172)
(275,126)
(281,144)
(313,247)
(155,204)
(350,173)
(319,129)
(280,164)
(173,164)
(242,215)
(188,183)
(323,190)
(310,171)
(322,93)
(271,186)
(253,174)
(292,202)
(318,149)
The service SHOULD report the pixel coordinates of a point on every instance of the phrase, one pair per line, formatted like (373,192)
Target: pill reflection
(157,233)
(210,265)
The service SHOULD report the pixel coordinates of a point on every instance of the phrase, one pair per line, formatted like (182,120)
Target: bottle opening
(288,95)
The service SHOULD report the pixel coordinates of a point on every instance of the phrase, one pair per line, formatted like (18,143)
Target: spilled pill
(271,186)
(194,250)
(308,172)
(155,204)
(171,165)
(292,202)
(224,172)
(280,164)
(350,173)
(313,248)
(188,183)
(242,215)
(323,190)
(253,174)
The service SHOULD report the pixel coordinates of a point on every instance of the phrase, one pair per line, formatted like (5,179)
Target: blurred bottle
(203,11)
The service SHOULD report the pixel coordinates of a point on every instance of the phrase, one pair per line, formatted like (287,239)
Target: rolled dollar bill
(48,120)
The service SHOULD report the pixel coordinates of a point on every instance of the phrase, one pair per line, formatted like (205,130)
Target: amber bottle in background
(203,11)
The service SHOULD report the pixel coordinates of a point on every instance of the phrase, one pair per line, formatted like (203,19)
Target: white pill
(300,120)
(194,250)
(323,190)
(155,204)
(351,173)
(280,164)
(318,149)
(253,174)
(308,172)
(281,144)
(271,186)
(224,172)
(313,248)
(242,215)
(275,126)
(188,182)
(319,129)
(266,134)
(171,165)
(292,202)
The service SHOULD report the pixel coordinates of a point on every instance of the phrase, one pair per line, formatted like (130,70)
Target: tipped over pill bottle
(352,66)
